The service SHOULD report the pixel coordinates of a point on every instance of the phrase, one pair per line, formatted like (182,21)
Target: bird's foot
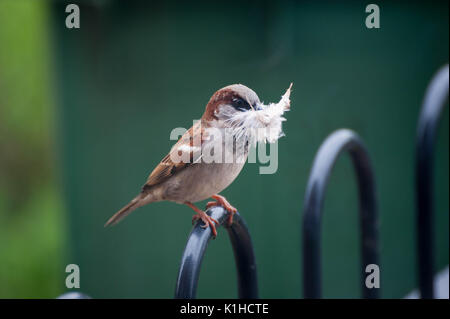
(221,201)
(207,220)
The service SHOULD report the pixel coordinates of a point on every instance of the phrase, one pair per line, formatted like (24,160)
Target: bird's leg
(220,200)
(207,220)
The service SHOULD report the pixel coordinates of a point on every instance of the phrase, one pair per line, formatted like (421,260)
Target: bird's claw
(211,204)
(207,220)
(221,201)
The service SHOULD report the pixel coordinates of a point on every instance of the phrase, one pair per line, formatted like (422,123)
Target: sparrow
(211,154)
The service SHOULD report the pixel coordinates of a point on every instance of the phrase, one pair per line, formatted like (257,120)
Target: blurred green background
(85,115)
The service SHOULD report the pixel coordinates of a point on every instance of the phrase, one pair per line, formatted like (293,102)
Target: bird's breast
(200,181)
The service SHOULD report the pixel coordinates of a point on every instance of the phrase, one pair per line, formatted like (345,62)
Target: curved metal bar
(74,295)
(194,251)
(338,142)
(433,104)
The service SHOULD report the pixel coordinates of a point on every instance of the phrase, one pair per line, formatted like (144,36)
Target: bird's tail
(125,211)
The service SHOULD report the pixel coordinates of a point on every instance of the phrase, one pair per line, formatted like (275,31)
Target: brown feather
(125,211)
(167,168)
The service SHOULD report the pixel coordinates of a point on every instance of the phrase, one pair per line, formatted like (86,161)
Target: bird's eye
(240,104)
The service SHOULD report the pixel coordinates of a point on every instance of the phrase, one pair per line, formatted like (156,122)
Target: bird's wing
(186,152)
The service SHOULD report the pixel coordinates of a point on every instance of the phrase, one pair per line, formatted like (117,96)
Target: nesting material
(263,125)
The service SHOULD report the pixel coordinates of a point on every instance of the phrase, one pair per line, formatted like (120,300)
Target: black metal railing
(74,295)
(338,142)
(433,104)
(195,249)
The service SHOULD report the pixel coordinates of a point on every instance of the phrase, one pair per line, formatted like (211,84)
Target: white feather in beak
(263,125)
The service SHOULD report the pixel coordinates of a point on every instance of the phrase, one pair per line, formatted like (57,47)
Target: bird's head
(231,100)
(238,108)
